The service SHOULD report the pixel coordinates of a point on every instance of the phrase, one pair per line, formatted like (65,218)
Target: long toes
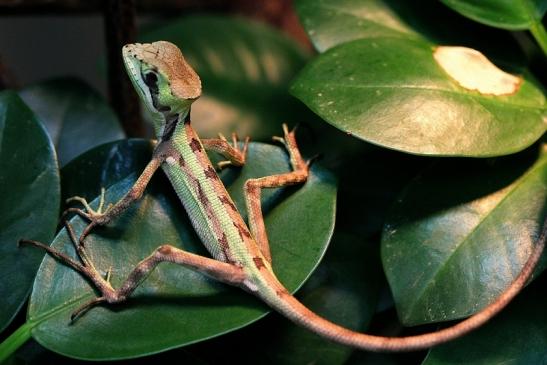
(56,254)
(245,146)
(286,131)
(223,164)
(313,159)
(77,211)
(278,139)
(86,232)
(85,307)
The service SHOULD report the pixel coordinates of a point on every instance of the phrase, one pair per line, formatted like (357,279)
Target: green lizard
(240,255)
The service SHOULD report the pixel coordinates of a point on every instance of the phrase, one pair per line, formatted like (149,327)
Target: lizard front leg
(218,270)
(98,217)
(253,188)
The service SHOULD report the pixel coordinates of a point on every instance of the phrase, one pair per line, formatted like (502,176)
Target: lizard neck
(166,123)
(174,124)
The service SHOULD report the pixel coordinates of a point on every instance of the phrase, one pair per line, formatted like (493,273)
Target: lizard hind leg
(253,188)
(218,270)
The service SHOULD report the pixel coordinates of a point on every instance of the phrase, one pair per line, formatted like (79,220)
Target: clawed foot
(83,263)
(242,153)
(286,134)
(95,217)
(89,213)
(289,141)
(84,266)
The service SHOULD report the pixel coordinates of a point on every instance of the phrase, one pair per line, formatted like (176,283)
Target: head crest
(168,59)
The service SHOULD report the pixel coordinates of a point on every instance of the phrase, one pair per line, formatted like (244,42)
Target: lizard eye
(151,80)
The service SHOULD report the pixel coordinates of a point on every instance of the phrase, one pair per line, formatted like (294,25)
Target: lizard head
(165,82)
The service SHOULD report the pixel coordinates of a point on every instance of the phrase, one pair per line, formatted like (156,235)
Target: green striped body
(212,212)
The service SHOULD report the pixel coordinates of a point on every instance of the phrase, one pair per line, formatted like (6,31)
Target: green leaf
(333,22)
(517,336)
(176,306)
(374,187)
(460,233)
(245,69)
(29,199)
(506,14)
(330,23)
(368,358)
(76,117)
(393,93)
(103,167)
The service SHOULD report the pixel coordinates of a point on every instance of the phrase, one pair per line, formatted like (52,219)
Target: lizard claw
(286,134)
(242,152)
(89,213)
(96,217)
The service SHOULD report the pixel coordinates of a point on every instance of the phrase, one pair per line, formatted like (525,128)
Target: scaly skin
(168,86)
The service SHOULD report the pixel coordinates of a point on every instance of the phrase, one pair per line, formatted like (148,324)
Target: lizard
(240,255)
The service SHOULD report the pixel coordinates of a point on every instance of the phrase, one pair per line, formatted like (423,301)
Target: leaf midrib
(465,240)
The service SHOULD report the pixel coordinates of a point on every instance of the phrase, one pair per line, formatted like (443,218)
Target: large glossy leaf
(366,193)
(332,22)
(76,117)
(29,199)
(507,14)
(103,167)
(517,336)
(392,92)
(461,232)
(176,306)
(245,69)
(329,23)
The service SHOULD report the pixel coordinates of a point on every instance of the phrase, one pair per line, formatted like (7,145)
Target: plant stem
(540,34)
(13,342)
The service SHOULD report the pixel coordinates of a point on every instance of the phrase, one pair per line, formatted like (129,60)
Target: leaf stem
(13,342)
(540,34)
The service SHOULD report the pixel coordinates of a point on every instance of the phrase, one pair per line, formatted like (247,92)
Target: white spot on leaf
(473,71)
